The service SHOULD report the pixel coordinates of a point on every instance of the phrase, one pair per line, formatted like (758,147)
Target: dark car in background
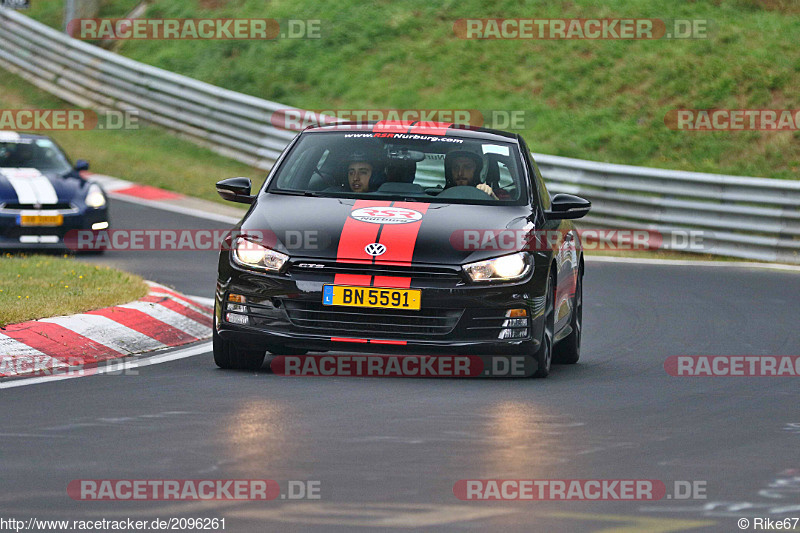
(43,196)
(386,237)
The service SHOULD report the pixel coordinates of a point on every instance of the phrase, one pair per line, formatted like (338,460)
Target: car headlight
(253,255)
(506,268)
(95,197)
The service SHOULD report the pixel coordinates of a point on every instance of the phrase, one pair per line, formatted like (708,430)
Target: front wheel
(568,351)
(544,355)
(228,356)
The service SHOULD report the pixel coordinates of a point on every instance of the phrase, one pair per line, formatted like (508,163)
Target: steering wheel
(464,192)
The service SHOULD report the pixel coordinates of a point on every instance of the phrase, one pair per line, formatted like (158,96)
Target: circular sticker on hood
(386,215)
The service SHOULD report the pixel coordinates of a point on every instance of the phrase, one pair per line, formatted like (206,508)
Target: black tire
(568,350)
(222,356)
(228,356)
(91,253)
(544,355)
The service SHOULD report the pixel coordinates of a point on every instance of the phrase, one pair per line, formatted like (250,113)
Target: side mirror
(81,164)
(567,206)
(235,190)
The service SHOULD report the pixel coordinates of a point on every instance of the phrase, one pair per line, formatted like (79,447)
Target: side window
(288,178)
(322,159)
(300,175)
(506,179)
(540,191)
(317,180)
(540,186)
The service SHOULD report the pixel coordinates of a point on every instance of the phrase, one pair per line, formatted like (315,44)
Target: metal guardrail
(754,218)
(227,122)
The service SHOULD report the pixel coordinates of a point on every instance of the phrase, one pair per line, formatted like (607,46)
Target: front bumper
(17,237)
(457,317)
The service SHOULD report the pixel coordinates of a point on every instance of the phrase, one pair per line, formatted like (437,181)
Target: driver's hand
(488,190)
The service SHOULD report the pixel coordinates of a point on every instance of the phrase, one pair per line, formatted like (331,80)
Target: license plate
(41,220)
(406,299)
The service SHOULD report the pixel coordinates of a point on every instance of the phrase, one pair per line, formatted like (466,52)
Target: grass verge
(41,286)
(602,99)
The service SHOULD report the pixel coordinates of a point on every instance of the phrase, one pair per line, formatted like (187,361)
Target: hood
(340,229)
(30,186)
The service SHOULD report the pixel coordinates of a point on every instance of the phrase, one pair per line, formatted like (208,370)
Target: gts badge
(310,265)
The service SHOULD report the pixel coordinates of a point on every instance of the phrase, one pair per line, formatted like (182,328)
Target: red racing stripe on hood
(356,234)
(392,282)
(400,239)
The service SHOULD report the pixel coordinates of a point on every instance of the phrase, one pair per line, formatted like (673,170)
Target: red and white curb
(162,319)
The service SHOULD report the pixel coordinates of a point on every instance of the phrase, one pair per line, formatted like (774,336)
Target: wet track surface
(387,452)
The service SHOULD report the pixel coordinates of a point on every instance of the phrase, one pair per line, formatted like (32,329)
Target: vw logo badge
(375,249)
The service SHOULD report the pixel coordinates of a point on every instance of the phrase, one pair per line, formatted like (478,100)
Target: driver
(463,168)
(22,156)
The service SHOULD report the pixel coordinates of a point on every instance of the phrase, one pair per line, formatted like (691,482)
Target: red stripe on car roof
(392,126)
(430,128)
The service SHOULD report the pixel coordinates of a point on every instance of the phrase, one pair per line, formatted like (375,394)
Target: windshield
(41,154)
(423,168)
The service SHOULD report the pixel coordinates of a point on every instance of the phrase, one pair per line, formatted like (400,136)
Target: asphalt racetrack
(386,453)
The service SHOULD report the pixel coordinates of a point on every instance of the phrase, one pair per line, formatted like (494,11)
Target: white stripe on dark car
(31,186)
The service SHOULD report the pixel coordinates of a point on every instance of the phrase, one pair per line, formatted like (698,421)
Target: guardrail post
(79,9)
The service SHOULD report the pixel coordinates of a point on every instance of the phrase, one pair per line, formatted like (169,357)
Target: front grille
(415,271)
(15,206)
(15,232)
(316,317)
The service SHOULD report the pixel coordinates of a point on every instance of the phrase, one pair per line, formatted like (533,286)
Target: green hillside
(593,99)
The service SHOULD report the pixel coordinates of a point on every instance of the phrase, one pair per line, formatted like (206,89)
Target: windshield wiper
(297,193)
